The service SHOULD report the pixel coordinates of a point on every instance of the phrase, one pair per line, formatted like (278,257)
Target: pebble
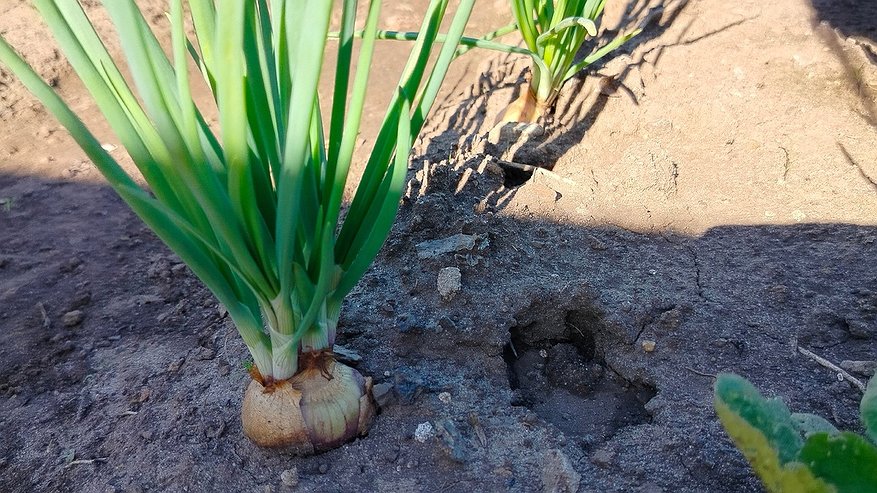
(434,248)
(866,367)
(452,440)
(859,329)
(649,346)
(347,356)
(558,474)
(215,431)
(324,468)
(383,394)
(424,432)
(603,457)
(176,365)
(449,282)
(143,396)
(204,354)
(72,318)
(445,397)
(289,477)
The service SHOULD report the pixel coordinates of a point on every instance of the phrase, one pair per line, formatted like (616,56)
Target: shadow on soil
(851,17)
(849,29)
(582,302)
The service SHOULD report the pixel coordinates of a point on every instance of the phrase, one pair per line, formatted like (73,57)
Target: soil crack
(858,166)
(697,277)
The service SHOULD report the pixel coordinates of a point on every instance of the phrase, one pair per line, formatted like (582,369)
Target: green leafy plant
(553,32)
(796,452)
(254,209)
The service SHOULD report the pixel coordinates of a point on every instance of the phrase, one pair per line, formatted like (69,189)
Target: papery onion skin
(322,407)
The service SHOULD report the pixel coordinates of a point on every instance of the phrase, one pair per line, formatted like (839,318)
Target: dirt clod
(449,282)
(72,318)
(289,477)
(866,367)
(558,473)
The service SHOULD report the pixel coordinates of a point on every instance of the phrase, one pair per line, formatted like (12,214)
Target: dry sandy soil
(713,190)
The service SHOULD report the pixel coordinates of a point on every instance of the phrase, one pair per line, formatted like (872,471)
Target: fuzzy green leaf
(770,417)
(846,461)
(809,424)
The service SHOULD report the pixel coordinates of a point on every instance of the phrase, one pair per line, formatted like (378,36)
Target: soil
(704,202)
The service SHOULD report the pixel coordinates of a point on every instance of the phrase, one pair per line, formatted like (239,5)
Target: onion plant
(553,32)
(254,207)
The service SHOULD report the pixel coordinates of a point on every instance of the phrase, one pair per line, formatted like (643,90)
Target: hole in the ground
(515,177)
(564,379)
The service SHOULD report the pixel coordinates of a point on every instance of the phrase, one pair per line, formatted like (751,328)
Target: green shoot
(254,209)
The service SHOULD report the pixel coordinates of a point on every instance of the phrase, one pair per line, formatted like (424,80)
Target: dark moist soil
(711,207)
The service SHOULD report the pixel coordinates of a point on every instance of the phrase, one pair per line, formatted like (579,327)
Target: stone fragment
(865,367)
(204,354)
(449,282)
(289,477)
(72,318)
(435,248)
(649,346)
(383,394)
(558,474)
(603,457)
(347,356)
(424,432)
(452,440)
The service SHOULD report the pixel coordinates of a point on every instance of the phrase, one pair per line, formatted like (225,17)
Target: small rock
(70,265)
(224,369)
(143,396)
(866,367)
(424,432)
(445,323)
(859,329)
(347,356)
(408,386)
(445,397)
(558,475)
(80,300)
(603,457)
(289,477)
(324,468)
(383,394)
(649,346)
(452,441)
(597,244)
(215,430)
(72,318)
(204,354)
(146,435)
(434,248)
(176,365)
(449,282)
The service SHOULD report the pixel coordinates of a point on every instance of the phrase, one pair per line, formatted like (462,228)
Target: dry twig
(87,461)
(831,366)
